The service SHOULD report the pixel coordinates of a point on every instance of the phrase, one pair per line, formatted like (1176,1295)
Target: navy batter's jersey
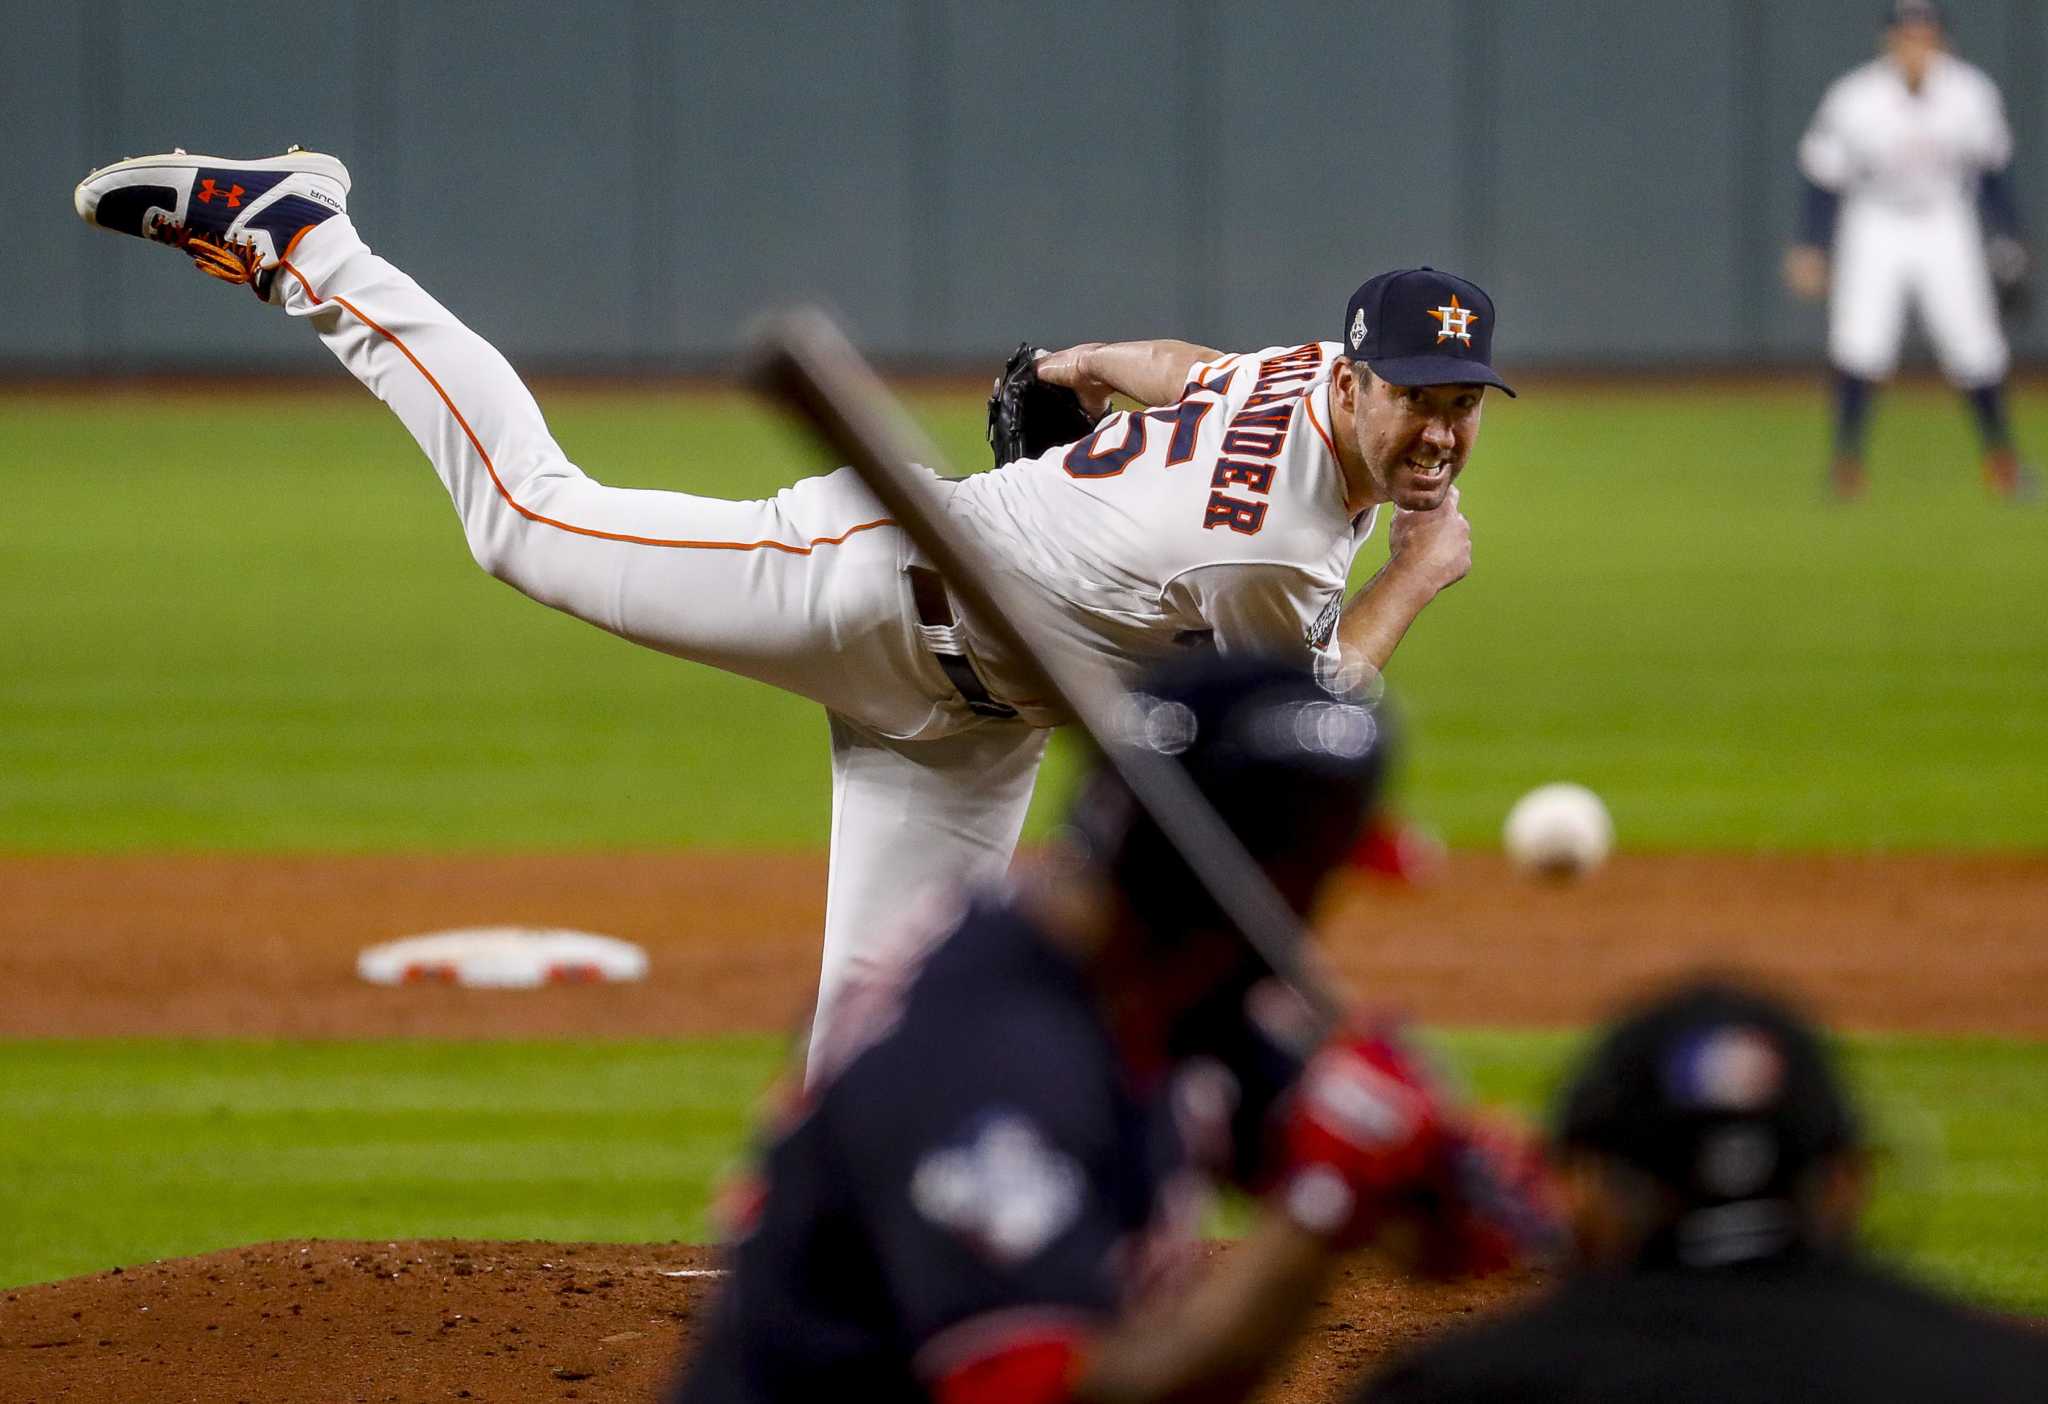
(984,1172)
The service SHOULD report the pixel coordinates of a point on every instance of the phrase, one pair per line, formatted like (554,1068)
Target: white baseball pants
(1887,261)
(805,590)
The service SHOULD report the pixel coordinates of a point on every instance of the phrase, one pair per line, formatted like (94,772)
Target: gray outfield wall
(620,183)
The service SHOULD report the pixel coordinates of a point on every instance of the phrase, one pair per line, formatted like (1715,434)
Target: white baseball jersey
(1222,514)
(1220,517)
(1876,140)
(1907,165)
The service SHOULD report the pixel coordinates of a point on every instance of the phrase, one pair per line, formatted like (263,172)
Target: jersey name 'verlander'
(1222,514)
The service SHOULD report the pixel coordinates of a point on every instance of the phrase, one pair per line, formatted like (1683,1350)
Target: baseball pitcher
(1226,508)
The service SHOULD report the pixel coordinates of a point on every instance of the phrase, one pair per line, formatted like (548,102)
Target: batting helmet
(1291,763)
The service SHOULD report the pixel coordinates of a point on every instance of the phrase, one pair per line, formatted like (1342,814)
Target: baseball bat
(803,359)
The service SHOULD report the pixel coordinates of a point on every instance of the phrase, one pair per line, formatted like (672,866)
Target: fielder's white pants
(805,590)
(1931,260)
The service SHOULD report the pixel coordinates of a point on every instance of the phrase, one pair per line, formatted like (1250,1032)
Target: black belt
(935,611)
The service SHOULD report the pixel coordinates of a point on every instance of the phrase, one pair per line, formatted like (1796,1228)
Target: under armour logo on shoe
(207,190)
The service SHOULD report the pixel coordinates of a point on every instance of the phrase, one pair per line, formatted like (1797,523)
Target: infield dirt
(264,947)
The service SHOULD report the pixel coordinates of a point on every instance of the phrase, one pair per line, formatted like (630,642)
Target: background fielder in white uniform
(1229,512)
(1903,155)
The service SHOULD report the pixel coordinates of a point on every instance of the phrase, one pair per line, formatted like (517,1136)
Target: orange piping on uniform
(533,516)
(1201,380)
(1308,402)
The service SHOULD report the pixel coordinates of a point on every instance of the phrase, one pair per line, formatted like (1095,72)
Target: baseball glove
(1027,416)
(2012,274)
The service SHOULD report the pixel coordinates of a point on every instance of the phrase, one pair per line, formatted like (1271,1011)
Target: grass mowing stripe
(119,1151)
(115,1152)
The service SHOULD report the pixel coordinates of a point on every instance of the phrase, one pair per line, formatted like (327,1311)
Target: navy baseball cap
(1416,326)
(1913,12)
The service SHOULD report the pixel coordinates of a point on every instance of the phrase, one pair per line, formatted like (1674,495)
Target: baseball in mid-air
(1558,831)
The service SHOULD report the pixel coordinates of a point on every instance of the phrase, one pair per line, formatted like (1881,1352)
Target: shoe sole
(85,199)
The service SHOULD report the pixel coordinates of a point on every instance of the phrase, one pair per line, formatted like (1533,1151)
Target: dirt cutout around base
(265,947)
(407,1323)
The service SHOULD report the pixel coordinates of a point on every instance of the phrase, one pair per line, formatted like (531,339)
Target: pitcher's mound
(490,1321)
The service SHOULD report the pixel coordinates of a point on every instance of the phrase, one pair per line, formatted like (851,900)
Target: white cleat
(237,219)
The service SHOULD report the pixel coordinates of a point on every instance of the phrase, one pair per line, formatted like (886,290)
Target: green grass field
(119,1152)
(252,625)
(257,626)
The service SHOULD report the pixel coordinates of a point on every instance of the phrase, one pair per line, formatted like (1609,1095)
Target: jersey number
(1090,459)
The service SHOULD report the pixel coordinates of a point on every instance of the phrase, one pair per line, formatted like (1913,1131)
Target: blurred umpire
(987,1199)
(1715,1175)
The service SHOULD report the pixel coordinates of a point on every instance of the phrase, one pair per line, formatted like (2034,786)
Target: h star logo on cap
(1455,320)
(1358,329)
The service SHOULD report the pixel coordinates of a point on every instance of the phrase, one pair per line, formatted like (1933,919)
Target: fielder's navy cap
(1913,12)
(1416,326)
